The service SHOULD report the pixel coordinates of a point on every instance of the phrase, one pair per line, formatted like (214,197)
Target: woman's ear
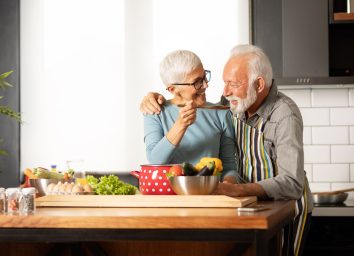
(170,88)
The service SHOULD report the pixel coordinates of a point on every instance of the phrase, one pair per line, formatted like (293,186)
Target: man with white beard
(269,138)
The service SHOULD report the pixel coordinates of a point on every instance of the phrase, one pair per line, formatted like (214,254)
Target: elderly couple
(260,143)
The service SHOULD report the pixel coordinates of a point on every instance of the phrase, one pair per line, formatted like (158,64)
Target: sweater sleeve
(158,149)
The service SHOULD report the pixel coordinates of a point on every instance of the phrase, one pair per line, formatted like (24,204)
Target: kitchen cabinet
(331,230)
(341,39)
(151,231)
(308,42)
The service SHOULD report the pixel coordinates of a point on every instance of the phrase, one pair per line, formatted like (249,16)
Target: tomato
(176,170)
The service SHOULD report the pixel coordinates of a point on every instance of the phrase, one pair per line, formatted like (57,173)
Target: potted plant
(5,110)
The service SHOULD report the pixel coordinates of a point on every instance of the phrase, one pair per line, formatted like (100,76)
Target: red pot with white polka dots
(153,180)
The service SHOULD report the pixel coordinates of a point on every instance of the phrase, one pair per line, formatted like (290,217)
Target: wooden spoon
(208,106)
(333,192)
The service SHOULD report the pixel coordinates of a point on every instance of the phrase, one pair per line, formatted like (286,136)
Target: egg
(56,188)
(77,189)
(62,188)
(87,188)
(50,187)
(69,188)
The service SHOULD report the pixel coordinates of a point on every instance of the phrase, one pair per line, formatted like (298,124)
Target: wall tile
(317,154)
(308,169)
(330,135)
(342,154)
(301,97)
(342,116)
(329,97)
(351,97)
(331,172)
(307,138)
(315,116)
(320,187)
(338,186)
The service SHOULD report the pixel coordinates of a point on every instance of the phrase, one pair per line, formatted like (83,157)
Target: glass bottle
(27,200)
(12,200)
(53,168)
(2,200)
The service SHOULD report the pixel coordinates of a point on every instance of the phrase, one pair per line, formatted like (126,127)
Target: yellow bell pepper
(205,160)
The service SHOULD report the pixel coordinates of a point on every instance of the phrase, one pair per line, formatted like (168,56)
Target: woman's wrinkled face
(188,92)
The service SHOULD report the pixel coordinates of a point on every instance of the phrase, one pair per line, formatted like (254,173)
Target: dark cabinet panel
(330,236)
(305,38)
(294,34)
(10,60)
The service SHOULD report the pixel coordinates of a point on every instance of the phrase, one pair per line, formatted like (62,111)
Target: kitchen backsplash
(328,116)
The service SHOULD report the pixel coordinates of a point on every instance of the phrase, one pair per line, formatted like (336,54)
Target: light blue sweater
(211,135)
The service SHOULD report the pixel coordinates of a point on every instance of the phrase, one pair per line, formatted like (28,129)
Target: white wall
(86,64)
(328,116)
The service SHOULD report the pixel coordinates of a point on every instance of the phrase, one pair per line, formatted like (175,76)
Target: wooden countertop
(152,218)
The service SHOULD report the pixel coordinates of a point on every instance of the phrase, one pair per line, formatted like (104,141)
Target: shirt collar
(267,105)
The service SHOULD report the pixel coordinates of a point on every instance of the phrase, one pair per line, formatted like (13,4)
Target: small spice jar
(2,200)
(12,200)
(27,200)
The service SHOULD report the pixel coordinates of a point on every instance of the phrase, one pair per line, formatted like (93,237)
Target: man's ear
(261,85)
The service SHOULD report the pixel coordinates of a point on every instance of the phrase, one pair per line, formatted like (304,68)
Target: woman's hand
(151,103)
(187,114)
(186,117)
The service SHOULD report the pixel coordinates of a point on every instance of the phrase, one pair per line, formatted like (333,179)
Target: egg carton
(68,189)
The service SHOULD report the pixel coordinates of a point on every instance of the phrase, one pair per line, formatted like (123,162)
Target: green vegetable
(93,181)
(43,173)
(110,185)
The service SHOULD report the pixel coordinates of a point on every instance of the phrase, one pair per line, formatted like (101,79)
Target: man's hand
(227,189)
(151,103)
(236,190)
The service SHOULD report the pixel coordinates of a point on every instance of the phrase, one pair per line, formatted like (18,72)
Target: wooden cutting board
(197,201)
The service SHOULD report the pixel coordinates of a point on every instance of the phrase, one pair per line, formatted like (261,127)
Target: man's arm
(236,190)
(290,176)
(151,103)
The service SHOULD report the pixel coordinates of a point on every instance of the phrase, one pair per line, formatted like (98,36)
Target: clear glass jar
(2,200)
(27,200)
(12,200)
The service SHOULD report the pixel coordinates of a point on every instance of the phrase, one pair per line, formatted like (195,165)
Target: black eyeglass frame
(206,78)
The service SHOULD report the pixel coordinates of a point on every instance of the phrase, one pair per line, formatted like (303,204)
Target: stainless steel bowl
(42,184)
(337,198)
(194,185)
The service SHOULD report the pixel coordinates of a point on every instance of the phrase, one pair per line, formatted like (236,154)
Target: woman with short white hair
(182,131)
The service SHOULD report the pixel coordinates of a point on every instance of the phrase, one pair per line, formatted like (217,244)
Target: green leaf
(6,74)
(3,83)
(3,152)
(4,110)
(6,84)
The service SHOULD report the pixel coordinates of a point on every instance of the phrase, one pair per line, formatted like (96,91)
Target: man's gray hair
(258,62)
(177,64)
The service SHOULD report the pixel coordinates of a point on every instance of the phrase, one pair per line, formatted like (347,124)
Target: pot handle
(136,174)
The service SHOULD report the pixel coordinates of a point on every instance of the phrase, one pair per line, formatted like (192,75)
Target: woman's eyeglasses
(200,82)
